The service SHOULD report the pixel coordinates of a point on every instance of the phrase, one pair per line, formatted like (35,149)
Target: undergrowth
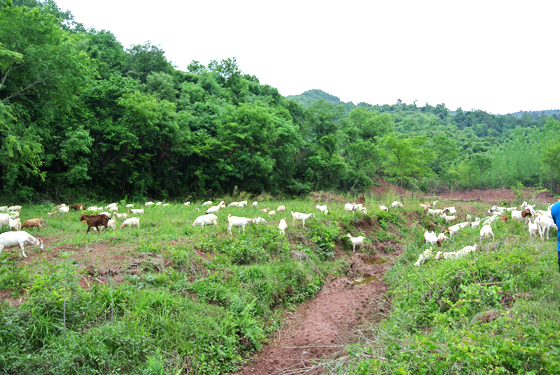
(496,311)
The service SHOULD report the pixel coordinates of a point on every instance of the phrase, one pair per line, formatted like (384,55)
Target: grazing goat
(255,204)
(237,221)
(14,208)
(271,213)
(533,227)
(449,210)
(95,221)
(301,217)
(120,216)
(78,206)
(260,220)
(544,223)
(322,209)
(15,224)
(203,220)
(486,232)
(39,223)
(131,222)
(397,204)
(356,241)
(431,238)
(282,226)
(383,208)
(139,211)
(207,203)
(11,239)
(425,255)
(281,209)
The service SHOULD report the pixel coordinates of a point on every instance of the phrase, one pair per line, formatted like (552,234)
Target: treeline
(81,116)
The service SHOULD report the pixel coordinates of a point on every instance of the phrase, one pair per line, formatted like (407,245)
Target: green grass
(220,296)
(459,317)
(215,302)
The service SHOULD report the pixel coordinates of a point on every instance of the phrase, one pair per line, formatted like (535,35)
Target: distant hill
(548,112)
(311,96)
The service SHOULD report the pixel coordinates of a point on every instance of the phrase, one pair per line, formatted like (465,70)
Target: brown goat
(39,223)
(504,218)
(526,213)
(79,206)
(431,225)
(95,221)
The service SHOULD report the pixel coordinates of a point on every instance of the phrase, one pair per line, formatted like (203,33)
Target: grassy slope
(215,302)
(493,312)
(220,296)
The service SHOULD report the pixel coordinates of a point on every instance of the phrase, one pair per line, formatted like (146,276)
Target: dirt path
(320,328)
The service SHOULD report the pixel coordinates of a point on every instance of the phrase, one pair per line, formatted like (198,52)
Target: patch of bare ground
(318,330)
(496,196)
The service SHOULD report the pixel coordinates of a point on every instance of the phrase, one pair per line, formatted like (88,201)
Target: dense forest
(82,116)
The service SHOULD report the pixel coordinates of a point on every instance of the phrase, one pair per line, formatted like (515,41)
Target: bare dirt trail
(318,330)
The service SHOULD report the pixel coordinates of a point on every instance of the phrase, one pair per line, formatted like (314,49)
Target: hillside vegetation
(169,298)
(80,115)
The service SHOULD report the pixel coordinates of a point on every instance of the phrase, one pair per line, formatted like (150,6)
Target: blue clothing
(555,211)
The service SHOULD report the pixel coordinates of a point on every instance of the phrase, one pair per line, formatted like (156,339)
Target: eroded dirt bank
(319,329)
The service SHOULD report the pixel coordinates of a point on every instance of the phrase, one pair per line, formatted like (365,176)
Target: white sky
(497,56)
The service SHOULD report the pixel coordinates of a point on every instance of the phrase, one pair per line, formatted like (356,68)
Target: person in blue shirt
(555,211)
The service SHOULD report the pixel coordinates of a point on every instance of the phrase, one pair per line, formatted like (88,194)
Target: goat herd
(9,216)
(541,224)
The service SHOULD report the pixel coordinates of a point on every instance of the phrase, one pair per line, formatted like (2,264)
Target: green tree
(406,159)
(482,163)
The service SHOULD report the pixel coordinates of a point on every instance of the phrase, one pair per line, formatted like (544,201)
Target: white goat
(120,216)
(207,203)
(260,220)
(11,239)
(282,226)
(255,204)
(281,208)
(425,255)
(397,204)
(431,238)
(14,208)
(356,241)
(3,208)
(148,204)
(64,210)
(237,221)
(15,224)
(486,232)
(533,227)
(544,223)
(130,222)
(322,209)
(450,210)
(129,205)
(203,220)
(449,219)
(136,211)
(300,217)
(383,208)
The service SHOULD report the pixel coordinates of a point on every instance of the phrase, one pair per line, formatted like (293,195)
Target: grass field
(169,298)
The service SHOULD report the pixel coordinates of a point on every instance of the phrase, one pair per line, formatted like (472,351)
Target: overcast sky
(497,56)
